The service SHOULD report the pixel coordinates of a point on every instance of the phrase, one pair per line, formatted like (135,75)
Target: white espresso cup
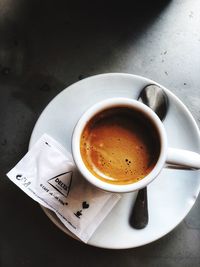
(176,158)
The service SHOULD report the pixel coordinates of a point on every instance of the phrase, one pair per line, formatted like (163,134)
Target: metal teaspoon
(154,97)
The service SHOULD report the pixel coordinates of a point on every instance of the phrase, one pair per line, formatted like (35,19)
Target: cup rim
(110,103)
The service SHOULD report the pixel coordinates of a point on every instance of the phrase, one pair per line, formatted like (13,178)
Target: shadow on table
(48,44)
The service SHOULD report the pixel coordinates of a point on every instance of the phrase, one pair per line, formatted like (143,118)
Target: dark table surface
(46,46)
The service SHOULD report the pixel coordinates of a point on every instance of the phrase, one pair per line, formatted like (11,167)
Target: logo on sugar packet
(62,182)
(85,205)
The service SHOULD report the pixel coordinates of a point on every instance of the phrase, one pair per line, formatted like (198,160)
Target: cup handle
(179,158)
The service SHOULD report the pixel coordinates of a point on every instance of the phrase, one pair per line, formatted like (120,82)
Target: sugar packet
(48,175)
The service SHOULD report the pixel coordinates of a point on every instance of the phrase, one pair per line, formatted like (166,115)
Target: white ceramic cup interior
(149,115)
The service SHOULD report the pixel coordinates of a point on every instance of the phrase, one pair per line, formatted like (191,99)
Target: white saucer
(171,195)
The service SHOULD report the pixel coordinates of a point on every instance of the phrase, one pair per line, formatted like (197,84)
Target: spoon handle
(139,217)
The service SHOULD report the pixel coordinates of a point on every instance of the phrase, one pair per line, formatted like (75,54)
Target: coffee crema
(119,146)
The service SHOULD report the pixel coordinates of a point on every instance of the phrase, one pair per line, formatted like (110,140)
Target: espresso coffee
(119,146)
